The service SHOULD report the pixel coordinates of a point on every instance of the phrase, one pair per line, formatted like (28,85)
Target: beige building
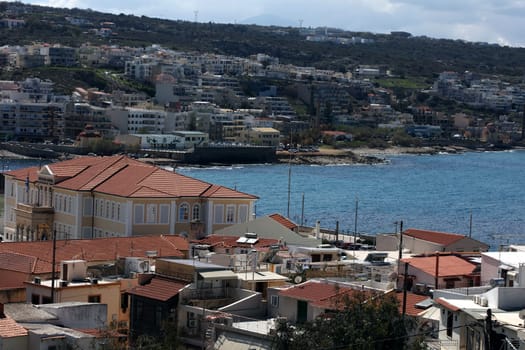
(263,136)
(74,286)
(93,197)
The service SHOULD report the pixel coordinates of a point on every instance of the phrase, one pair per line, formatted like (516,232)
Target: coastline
(366,155)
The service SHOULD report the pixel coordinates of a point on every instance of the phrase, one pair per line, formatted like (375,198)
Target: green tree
(360,321)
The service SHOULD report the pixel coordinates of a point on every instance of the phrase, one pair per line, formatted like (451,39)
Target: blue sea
(435,192)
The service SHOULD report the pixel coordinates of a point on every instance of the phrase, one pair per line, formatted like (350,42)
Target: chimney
(2,314)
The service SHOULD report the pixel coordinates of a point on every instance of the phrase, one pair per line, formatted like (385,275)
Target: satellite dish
(298,279)
(521,314)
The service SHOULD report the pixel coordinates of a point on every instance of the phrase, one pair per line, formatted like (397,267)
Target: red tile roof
(433,236)
(231,242)
(412,300)
(284,221)
(36,257)
(126,177)
(319,294)
(449,265)
(12,280)
(159,288)
(10,329)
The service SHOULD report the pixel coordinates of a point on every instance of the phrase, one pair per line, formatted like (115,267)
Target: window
(152,214)
(124,302)
(94,299)
(164,214)
(139,213)
(88,206)
(243,213)
(230,214)
(274,300)
(218,214)
(195,213)
(184,211)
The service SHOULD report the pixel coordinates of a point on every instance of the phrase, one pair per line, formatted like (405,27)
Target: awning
(218,275)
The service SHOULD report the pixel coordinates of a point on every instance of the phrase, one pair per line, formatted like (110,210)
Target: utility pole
(302,210)
(355,222)
(405,286)
(53,267)
(470,226)
(400,240)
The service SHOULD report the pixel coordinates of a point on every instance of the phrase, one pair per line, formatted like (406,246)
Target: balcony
(32,215)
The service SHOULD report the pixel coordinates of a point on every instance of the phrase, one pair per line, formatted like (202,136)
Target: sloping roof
(159,288)
(126,177)
(10,329)
(39,254)
(12,280)
(319,293)
(289,224)
(447,305)
(17,262)
(266,227)
(442,238)
(449,265)
(411,302)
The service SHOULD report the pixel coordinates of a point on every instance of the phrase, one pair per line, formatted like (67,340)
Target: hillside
(403,55)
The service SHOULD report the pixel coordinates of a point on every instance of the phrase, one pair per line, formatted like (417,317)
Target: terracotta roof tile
(159,288)
(17,262)
(92,250)
(10,329)
(309,291)
(126,177)
(12,280)
(433,236)
(284,221)
(412,300)
(449,265)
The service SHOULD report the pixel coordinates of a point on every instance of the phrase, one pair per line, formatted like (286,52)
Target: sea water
(434,192)
(481,194)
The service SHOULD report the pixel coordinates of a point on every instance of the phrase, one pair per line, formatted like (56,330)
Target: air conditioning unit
(192,323)
(134,264)
(476,299)
(483,302)
(71,270)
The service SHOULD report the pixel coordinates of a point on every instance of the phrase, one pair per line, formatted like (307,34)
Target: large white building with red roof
(93,197)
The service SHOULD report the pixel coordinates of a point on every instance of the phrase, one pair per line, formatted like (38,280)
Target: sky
(493,21)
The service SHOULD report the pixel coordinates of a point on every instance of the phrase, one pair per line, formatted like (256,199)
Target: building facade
(93,197)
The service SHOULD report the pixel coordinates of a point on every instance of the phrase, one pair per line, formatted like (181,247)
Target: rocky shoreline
(366,155)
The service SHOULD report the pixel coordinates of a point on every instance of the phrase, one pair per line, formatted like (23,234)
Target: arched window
(196,212)
(184,212)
